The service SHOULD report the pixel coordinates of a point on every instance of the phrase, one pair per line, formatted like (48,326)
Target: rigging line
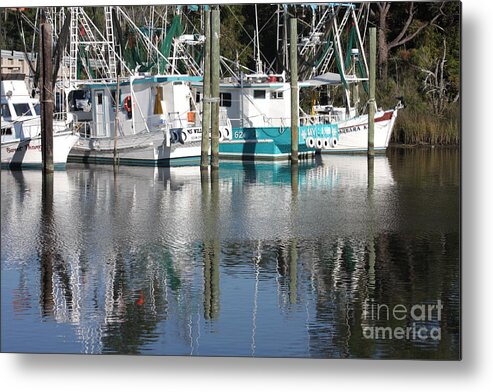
(148,43)
(35,30)
(21,29)
(248,34)
(225,59)
(194,29)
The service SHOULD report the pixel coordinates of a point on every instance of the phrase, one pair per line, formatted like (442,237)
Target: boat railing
(176,117)
(63,116)
(83,128)
(156,121)
(318,119)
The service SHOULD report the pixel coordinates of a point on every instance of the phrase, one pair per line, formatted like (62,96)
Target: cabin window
(259,94)
(198,97)
(177,83)
(7,131)
(277,95)
(5,110)
(79,99)
(37,109)
(113,98)
(22,109)
(225,99)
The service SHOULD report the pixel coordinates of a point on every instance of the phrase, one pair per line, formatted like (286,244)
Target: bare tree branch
(406,26)
(408,38)
(387,7)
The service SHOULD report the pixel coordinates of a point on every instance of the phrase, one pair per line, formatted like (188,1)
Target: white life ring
(319,143)
(327,143)
(310,142)
(333,142)
(221,135)
(226,134)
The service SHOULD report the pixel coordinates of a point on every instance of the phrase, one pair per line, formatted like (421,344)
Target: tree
(388,24)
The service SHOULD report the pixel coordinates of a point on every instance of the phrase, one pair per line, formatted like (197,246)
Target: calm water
(261,261)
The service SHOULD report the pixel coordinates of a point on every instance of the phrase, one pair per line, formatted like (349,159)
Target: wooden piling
(293,65)
(46,96)
(215,66)
(206,104)
(371,100)
(116,160)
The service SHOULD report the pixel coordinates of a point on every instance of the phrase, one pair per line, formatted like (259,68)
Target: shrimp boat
(258,107)
(352,127)
(337,68)
(156,121)
(259,103)
(21,127)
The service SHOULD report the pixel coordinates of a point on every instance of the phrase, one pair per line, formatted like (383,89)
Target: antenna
(257,44)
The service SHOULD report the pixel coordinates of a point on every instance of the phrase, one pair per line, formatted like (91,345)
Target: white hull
(353,133)
(150,148)
(27,152)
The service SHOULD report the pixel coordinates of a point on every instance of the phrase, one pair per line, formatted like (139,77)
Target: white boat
(21,127)
(353,129)
(157,122)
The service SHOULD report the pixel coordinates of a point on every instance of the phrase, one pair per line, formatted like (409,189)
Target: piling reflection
(212,248)
(263,259)
(47,258)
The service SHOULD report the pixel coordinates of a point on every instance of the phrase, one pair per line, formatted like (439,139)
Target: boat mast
(257,44)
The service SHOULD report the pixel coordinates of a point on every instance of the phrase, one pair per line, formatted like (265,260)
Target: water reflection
(253,259)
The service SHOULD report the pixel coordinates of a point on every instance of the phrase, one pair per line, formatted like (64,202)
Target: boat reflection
(253,259)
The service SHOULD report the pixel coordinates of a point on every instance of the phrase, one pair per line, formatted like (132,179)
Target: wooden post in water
(47,101)
(371,100)
(117,111)
(206,104)
(293,65)
(215,27)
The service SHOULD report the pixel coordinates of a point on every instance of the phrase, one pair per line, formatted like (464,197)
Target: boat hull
(273,143)
(353,134)
(27,153)
(145,149)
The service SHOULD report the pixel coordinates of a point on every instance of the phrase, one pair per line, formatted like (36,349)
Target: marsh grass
(423,127)
(417,123)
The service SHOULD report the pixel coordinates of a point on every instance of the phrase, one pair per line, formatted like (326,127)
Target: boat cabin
(146,103)
(256,101)
(19,111)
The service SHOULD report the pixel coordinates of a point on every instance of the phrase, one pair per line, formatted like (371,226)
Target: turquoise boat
(259,109)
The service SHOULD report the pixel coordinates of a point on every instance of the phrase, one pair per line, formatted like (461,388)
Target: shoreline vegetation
(418,58)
